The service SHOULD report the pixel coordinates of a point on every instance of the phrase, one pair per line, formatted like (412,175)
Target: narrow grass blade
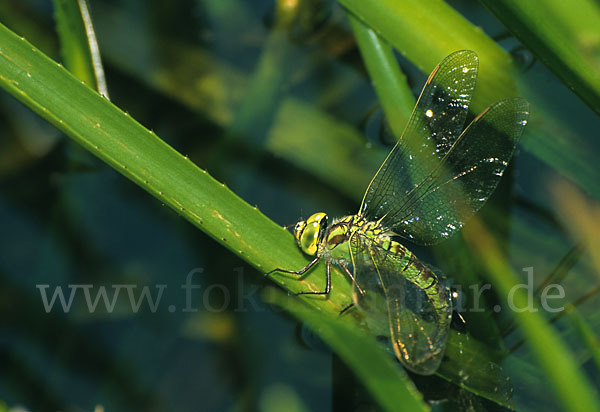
(563,35)
(389,82)
(570,386)
(426,32)
(79,46)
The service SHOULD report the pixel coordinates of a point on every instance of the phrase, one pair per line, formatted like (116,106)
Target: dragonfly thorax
(315,237)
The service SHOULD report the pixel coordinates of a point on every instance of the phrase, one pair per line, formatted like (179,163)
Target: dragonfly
(438,175)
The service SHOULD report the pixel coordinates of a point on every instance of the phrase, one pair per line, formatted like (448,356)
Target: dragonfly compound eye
(298,229)
(309,233)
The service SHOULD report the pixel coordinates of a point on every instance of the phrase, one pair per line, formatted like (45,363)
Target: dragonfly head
(310,232)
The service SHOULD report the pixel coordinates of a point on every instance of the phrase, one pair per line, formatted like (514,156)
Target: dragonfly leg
(354,282)
(327,284)
(350,306)
(296,272)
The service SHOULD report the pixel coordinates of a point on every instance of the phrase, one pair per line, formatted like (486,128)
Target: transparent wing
(435,178)
(439,203)
(436,122)
(418,322)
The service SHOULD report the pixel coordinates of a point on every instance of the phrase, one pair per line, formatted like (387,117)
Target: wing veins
(434,175)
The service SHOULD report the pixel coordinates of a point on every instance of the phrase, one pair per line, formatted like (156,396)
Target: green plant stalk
(389,82)
(569,385)
(79,46)
(426,32)
(563,35)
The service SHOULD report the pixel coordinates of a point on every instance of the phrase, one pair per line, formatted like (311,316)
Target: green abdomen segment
(420,275)
(418,307)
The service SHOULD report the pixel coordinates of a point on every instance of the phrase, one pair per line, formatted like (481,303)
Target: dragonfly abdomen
(420,275)
(424,278)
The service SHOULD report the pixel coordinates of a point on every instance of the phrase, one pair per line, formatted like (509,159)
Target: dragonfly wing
(426,191)
(436,122)
(418,322)
(465,178)
(418,340)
